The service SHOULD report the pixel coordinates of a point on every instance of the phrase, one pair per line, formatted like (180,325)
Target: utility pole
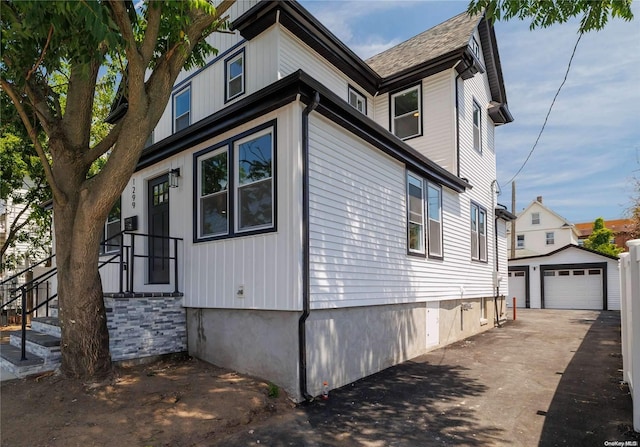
(513,222)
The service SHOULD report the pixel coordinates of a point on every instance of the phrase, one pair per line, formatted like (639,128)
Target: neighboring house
(622,231)
(334,216)
(540,230)
(550,270)
(570,277)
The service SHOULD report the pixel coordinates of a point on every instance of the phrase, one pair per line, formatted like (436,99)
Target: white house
(540,230)
(332,216)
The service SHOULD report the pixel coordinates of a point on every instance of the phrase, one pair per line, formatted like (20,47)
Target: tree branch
(17,102)
(44,51)
(149,43)
(103,146)
(15,227)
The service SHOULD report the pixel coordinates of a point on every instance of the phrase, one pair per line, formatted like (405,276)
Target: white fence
(630,320)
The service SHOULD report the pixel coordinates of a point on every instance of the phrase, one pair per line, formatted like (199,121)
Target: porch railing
(124,256)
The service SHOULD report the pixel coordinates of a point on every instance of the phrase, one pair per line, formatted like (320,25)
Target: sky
(588,156)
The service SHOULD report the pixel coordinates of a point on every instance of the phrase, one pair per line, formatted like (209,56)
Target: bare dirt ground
(184,402)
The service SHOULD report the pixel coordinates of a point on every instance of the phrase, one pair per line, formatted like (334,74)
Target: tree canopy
(593,14)
(600,239)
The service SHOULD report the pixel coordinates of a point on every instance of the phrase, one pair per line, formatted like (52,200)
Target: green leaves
(600,239)
(543,13)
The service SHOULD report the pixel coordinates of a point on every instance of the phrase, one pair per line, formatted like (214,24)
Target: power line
(549,111)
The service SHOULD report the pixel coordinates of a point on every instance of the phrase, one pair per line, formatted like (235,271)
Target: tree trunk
(85,338)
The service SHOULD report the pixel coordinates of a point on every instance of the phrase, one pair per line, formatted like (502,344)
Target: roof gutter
(306,292)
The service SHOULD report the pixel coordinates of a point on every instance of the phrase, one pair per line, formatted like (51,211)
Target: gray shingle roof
(444,38)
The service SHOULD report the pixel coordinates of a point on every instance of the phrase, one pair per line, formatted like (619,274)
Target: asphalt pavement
(552,377)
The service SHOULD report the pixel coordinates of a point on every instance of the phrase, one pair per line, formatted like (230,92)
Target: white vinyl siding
(261,52)
(358,230)
(438,140)
(267,265)
(295,54)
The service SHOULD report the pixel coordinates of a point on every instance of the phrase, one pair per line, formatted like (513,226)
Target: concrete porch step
(42,345)
(46,325)
(10,360)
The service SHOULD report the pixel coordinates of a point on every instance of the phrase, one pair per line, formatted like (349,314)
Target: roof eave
(307,28)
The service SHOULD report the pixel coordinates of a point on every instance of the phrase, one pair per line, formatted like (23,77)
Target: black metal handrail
(125,259)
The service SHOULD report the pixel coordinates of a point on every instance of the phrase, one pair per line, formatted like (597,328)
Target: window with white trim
(182,109)
(415,214)
(550,238)
(110,242)
(357,100)
(235,189)
(478,233)
(406,120)
(535,218)
(520,241)
(434,216)
(477,127)
(234,75)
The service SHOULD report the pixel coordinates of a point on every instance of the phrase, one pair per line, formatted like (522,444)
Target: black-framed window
(254,181)
(110,242)
(406,113)
(477,127)
(234,75)
(234,188)
(357,100)
(182,109)
(434,218)
(478,233)
(415,214)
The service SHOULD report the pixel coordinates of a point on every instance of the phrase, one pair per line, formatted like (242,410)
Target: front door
(159,230)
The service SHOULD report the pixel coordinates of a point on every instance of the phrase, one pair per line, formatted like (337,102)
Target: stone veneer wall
(144,326)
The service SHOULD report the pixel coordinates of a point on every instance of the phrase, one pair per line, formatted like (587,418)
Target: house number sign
(133,193)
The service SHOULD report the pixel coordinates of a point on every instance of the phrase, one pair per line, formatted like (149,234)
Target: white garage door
(573,289)
(517,288)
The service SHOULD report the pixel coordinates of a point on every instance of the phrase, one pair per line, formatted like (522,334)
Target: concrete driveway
(548,378)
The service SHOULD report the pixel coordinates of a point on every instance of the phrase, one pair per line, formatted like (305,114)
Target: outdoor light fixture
(173,177)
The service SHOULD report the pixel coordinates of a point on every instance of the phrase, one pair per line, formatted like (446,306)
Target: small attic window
(475,47)
(535,218)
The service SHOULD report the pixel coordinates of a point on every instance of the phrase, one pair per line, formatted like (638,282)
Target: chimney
(539,199)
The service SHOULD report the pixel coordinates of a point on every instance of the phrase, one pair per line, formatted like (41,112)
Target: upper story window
(182,109)
(235,188)
(234,75)
(357,100)
(434,214)
(415,214)
(478,233)
(549,237)
(535,218)
(475,47)
(406,120)
(150,139)
(520,241)
(110,240)
(477,127)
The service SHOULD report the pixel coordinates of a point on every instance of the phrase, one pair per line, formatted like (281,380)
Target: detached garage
(569,278)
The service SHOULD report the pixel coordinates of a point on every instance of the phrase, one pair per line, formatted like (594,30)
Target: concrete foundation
(343,345)
(261,343)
